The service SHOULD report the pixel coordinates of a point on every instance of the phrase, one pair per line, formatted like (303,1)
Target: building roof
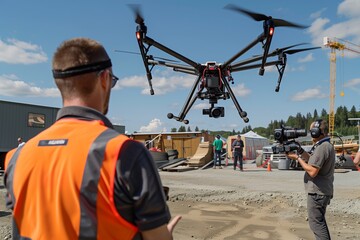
(165,133)
(251,134)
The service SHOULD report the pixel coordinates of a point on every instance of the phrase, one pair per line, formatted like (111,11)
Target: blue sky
(30,31)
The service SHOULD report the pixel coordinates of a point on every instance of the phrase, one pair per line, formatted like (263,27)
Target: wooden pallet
(167,168)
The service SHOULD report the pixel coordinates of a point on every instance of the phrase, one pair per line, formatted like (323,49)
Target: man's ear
(103,79)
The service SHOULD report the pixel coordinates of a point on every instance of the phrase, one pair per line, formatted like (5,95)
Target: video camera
(285,137)
(214,112)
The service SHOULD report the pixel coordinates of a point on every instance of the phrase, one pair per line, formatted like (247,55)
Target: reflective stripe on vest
(89,185)
(66,190)
(10,163)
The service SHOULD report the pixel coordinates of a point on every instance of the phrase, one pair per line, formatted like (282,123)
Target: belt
(315,194)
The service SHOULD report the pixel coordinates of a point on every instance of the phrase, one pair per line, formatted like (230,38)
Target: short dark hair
(73,53)
(218,136)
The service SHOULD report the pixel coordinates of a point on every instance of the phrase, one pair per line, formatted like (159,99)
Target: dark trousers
(238,157)
(217,157)
(316,207)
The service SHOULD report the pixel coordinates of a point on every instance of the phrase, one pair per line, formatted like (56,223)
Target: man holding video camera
(319,165)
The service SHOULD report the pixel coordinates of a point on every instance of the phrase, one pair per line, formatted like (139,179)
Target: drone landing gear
(171,116)
(213,111)
(242,113)
(188,104)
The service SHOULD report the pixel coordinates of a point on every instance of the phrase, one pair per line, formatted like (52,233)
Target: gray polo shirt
(323,157)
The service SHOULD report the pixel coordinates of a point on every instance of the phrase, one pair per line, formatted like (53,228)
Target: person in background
(80,179)
(238,146)
(20,141)
(217,145)
(357,157)
(319,166)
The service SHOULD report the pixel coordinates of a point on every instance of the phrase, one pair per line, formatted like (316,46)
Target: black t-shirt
(240,144)
(139,196)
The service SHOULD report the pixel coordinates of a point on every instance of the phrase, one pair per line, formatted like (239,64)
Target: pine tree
(316,115)
(182,129)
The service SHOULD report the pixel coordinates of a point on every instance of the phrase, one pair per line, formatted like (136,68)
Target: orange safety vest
(61,183)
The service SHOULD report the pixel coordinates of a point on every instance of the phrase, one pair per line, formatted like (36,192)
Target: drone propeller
(138,16)
(279,50)
(150,56)
(283,50)
(300,50)
(262,17)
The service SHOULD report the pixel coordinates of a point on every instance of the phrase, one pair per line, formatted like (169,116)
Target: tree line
(343,126)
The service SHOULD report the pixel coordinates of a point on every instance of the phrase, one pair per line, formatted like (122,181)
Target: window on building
(36,120)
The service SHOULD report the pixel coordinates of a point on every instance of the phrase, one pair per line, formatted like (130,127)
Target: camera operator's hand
(292,156)
(296,146)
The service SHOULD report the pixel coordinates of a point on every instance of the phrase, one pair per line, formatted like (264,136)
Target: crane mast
(332,90)
(335,44)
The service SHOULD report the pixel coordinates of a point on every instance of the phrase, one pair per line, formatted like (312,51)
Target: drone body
(212,81)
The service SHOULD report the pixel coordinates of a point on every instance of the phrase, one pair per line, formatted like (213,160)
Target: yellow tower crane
(340,45)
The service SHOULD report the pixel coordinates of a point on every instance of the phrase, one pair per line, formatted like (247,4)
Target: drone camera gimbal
(212,81)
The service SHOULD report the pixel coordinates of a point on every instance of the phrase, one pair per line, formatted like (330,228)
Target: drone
(212,78)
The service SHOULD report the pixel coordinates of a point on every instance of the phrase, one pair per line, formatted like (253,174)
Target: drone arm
(243,68)
(154,43)
(244,50)
(193,72)
(168,64)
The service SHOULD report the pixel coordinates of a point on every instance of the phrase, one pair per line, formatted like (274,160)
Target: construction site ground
(257,204)
(254,204)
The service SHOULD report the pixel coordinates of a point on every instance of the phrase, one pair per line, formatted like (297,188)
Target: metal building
(25,121)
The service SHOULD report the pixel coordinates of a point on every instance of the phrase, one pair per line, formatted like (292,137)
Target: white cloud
(270,69)
(349,13)
(162,82)
(352,82)
(155,125)
(241,91)
(307,58)
(308,94)
(18,52)
(317,14)
(10,85)
(299,68)
(201,106)
(349,8)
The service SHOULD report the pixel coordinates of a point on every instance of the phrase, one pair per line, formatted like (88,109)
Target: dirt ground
(257,204)
(254,204)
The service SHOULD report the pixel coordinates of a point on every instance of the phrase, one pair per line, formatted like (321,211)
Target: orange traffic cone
(269,166)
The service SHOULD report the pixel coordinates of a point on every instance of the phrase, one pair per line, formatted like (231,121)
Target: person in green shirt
(218,144)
